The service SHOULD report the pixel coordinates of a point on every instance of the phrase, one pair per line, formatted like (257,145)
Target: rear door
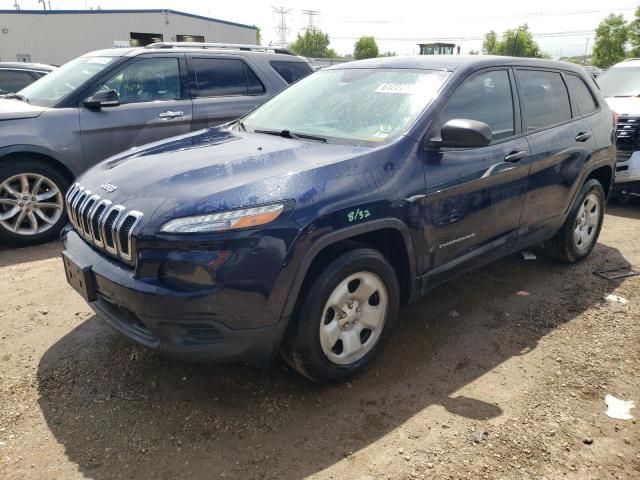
(223,89)
(475,195)
(560,141)
(153,105)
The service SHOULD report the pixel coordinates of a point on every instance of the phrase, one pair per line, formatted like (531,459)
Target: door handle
(169,114)
(514,157)
(583,136)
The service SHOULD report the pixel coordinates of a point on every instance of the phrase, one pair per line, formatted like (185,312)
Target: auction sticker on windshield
(401,88)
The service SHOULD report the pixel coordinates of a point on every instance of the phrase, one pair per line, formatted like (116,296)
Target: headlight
(230,220)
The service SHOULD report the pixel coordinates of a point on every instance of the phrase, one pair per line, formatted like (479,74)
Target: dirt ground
(501,373)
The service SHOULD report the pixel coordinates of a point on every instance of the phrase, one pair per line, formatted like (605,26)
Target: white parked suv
(620,86)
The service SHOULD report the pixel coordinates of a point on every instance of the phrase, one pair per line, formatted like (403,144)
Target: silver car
(111,100)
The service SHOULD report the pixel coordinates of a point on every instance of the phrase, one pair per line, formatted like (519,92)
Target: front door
(153,106)
(475,195)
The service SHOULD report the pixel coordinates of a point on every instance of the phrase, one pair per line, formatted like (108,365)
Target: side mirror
(463,133)
(103,98)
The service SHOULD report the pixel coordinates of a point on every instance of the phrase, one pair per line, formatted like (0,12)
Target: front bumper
(189,325)
(628,167)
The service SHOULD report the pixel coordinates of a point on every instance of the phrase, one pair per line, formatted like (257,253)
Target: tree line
(612,36)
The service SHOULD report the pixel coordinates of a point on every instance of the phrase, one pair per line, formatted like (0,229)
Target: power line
(480,37)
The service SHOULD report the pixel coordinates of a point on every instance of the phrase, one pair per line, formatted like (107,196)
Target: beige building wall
(56,38)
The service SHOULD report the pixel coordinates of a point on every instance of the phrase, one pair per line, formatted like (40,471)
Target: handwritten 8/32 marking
(358,214)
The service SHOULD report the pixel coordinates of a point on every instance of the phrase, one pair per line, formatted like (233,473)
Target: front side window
(582,95)
(146,80)
(223,77)
(545,99)
(61,82)
(363,106)
(291,72)
(485,97)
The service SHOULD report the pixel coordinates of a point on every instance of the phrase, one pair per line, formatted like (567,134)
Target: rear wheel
(31,202)
(580,232)
(345,318)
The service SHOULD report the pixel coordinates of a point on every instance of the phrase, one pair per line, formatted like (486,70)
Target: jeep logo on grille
(108,187)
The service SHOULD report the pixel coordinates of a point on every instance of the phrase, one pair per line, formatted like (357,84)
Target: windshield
(59,83)
(362,106)
(620,82)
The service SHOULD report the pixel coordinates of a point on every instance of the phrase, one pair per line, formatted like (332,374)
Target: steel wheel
(30,204)
(587,222)
(353,318)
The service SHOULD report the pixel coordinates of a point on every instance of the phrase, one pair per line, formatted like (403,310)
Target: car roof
(452,63)
(135,51)
(27,66)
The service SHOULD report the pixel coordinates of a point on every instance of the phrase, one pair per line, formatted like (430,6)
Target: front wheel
(345,317)
(31,202)
(581,229)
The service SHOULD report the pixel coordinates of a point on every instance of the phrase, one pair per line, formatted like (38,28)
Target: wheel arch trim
(26,149)
(336,236)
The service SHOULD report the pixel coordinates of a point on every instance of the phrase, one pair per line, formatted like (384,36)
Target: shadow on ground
(14,256)
(631,210)
(121,411)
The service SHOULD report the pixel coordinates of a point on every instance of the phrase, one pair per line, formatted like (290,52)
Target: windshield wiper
(240,123)
(289,134)
(16,96)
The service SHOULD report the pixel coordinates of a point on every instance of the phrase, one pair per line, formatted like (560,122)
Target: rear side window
(223,77)
(544,98)
(291,71)
(582,95)
(485,97)
(13,81)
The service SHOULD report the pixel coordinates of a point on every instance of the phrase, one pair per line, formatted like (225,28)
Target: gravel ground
(501,373)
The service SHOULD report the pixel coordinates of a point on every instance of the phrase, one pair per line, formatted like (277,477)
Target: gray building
(57,36)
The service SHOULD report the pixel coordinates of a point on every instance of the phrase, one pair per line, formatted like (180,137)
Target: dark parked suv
(108,101)
(301,228)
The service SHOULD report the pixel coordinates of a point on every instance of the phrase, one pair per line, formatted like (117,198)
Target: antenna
(282,28)
(311,19)
(44,4)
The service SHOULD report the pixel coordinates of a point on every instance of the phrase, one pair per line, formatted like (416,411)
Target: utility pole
(282,28)
(586,47)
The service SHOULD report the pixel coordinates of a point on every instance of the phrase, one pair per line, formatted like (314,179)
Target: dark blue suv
(301,227)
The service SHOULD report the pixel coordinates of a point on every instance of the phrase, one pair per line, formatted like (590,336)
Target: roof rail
(230,46)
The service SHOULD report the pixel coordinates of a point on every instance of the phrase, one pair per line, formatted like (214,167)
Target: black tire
(11,168)
(562,246)
(302,346)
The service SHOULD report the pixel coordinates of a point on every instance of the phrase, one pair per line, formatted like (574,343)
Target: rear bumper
(187,325)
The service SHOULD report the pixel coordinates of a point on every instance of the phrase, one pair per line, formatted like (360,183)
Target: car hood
(624,105)
(11,109)
(208,171)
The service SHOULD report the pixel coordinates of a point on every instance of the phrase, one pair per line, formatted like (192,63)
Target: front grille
(628,133)
(109,227)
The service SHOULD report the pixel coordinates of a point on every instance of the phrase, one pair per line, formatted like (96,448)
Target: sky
(561,27)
